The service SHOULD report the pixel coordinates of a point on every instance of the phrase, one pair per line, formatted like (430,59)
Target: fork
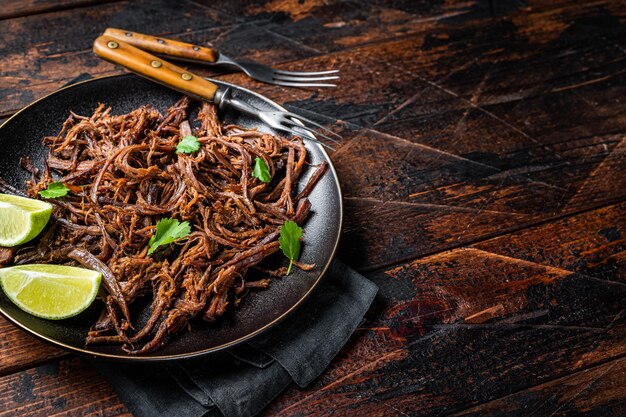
(194,53)
(149,66)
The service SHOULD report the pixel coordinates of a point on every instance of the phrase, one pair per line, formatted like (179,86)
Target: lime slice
(21,219)
(50,291)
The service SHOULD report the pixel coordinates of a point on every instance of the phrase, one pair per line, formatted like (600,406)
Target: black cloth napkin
(242,381)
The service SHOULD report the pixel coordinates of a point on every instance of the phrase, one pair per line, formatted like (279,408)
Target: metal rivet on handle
(129,34)
(160,41)
(186,76)
(196,48)
(156,64)
(112,44)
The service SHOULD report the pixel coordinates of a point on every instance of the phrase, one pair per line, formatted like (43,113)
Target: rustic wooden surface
(484,172)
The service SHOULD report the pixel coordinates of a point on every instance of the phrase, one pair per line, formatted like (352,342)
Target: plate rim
(223,346)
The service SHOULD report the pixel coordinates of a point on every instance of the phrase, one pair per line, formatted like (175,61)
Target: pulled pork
(124,174)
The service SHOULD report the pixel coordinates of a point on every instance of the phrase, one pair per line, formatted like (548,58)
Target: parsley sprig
(55,189)
(167,231)
(261,171)
(189,144)
(290,234)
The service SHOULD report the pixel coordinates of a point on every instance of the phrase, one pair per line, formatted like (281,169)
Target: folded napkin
(243,380)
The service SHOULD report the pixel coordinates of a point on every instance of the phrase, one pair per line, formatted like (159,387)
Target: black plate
(22,135)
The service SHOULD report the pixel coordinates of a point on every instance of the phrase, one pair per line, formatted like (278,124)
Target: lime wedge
(21,219)
(50,291)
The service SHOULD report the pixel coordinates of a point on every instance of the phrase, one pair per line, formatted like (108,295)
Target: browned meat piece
(6,255)
(262,283)
(109,280)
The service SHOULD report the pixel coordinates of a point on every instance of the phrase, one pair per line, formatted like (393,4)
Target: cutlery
(156,69)
(189,52)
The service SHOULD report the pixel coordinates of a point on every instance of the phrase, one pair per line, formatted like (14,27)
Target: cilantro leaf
(290,234)
(189,144)
(261,171)
(54,190)
(168,231)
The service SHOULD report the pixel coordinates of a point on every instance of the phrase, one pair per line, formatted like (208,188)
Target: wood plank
(420,200)
(17,8)
(67,388)
(20,351)
(329,26)
(525,72)
(469,48)
(136,18)
(595,391)
(567,159)
(593,243)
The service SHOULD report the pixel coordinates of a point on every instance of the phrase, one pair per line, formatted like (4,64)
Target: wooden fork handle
(164,46)
(156,69)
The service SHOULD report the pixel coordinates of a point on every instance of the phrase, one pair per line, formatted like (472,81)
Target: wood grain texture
(19,351)
(452,200)
(67,388)
(483,172)
(594,391)
(18,8)
(592,243)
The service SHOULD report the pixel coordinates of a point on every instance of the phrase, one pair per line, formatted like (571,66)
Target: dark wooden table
(484,172)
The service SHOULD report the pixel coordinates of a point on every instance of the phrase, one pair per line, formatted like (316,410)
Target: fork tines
(304,79)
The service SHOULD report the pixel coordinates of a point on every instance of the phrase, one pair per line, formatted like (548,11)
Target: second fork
(200,54)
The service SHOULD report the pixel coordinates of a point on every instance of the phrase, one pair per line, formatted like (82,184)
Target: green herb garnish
(189,144)
(168,231)
(54,190)
(290,234)
(261,171)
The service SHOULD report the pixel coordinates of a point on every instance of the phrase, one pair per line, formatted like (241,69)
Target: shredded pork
(123,175)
